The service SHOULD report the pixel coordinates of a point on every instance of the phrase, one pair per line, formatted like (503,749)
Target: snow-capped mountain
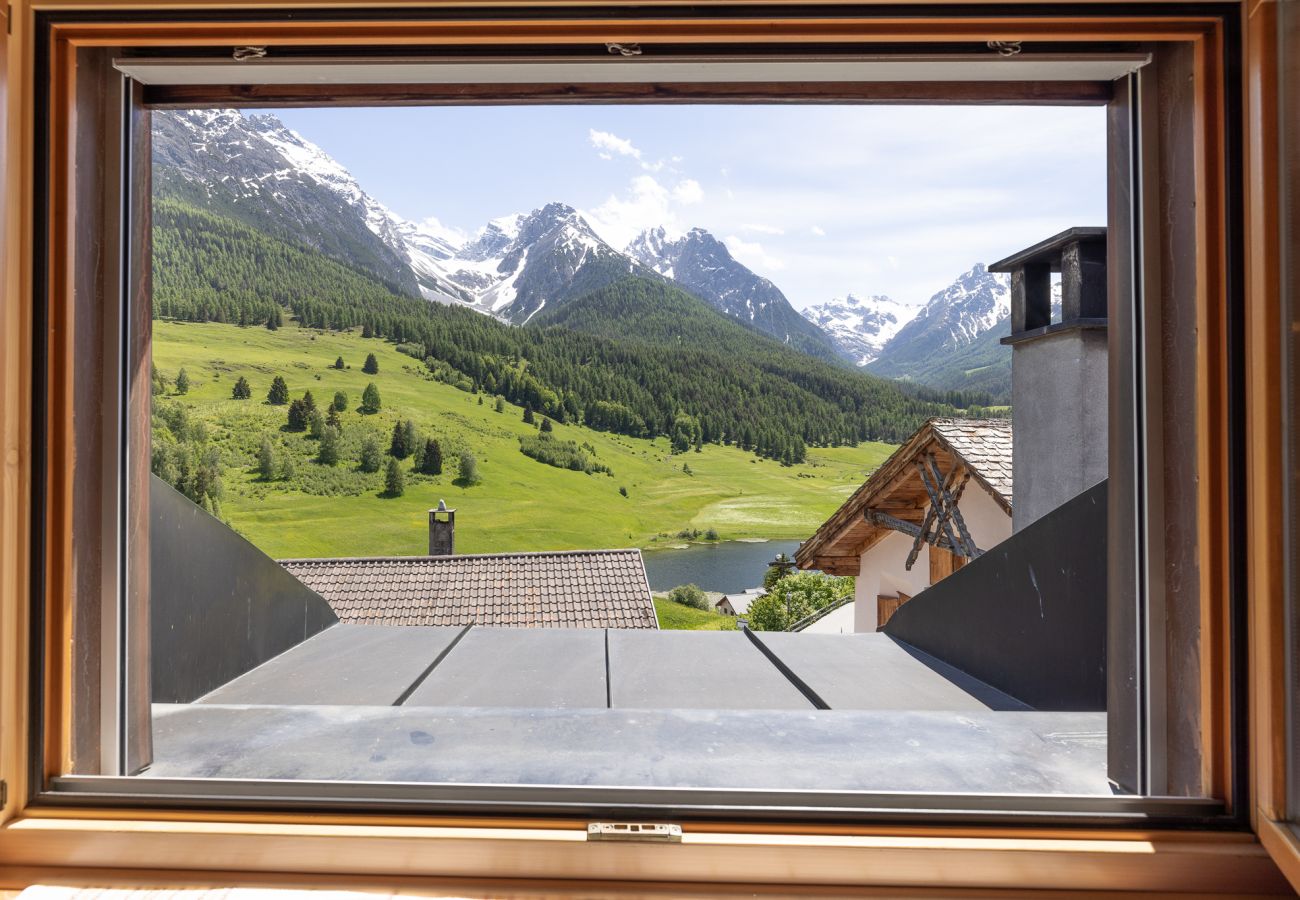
(267,175)
(860,326)
(519,264)
(258,171)
(702,265)
(951,319)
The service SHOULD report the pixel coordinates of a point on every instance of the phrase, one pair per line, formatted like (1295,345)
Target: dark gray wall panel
(551,668)
(218,606)
(695,670)
(873,671)
(1029,616)
(365,665)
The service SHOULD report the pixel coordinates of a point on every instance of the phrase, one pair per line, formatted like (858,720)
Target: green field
(520,504)
(677,617)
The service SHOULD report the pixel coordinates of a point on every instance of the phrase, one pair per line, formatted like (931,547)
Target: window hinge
(634,831)
(4,792)
(9,19)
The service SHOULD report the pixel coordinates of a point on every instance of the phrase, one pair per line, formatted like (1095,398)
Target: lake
(727,566)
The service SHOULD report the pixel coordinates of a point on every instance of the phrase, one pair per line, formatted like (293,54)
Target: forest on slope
(638,357)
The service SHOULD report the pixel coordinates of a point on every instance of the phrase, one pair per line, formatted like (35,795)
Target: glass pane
(673,446)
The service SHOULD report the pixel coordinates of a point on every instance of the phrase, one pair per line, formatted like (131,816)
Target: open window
(211,670)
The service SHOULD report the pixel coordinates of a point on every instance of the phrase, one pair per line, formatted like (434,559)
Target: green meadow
(519,504)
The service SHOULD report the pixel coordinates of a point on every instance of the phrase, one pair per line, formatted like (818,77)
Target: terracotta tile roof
(985,445)
(578,589)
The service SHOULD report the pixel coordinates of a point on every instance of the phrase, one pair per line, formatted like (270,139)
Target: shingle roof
(578,589)
(985,445)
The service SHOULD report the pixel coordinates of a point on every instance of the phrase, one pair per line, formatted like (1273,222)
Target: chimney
(1059,411)
(442,530)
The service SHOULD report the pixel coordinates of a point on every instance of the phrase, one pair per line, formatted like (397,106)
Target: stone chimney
(442,530)
(1059,412)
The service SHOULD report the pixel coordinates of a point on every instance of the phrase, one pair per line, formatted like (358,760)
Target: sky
(823,200)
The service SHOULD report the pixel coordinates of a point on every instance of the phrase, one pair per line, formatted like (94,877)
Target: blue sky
(824,200)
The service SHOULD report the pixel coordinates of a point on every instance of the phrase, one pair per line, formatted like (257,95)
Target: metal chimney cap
(442,506)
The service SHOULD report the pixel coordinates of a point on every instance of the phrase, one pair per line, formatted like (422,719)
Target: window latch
(655,832)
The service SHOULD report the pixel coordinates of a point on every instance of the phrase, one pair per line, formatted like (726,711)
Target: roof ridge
(466,556)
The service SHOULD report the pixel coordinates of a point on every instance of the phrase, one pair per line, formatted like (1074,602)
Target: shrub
(795,597)
(546,425)
(370,399)
(623,491)
(711,534)
(468,468)
(266,467)
(182,382)
(689,595)
(562,454)
(315,424)
(500,405)
(370,456)
(338,363)
(328,452)
(340,401)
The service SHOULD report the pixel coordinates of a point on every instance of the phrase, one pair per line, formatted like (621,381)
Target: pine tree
(279,393)
(501,404)
(372,365)
(412,439)
(370,399)
(431,464)
(394,483)
(367,331)
(528,414)
(397,447)
(328,452)
(333,420)
(338,363)
(309,402)
(546,424)
(274,320)
(297,417)
(182,382)
(340,401)
(241,390)
(315,424)
(266,461)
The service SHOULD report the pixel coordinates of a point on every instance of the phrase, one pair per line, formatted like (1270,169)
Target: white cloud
(818,231)
(645,204)
(762,229)
(752,254)
(688,191)
(608,144)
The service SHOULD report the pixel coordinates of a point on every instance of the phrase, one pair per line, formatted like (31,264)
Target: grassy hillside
(683,618)
(520,504)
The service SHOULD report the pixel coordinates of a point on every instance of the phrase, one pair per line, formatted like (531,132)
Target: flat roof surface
(571,668)
(997,752)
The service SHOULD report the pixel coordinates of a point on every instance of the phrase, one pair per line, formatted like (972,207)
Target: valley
(519,504)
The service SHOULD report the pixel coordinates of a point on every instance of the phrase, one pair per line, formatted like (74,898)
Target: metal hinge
(9,19)
(634,831)
(4,793)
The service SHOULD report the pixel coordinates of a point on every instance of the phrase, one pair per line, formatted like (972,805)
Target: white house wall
(838,621)
(883,566)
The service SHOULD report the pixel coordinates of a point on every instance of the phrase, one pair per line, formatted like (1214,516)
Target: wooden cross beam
(943,526)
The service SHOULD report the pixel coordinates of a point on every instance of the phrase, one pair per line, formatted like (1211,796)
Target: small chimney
(442,530)
(1059,371)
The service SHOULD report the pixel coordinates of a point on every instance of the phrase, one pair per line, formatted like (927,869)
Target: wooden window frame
(233,847)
